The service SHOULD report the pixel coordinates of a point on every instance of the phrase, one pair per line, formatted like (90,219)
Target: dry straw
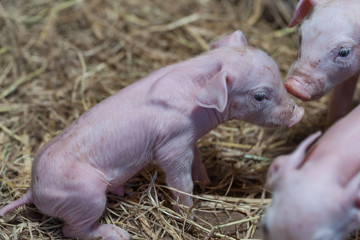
(59,58)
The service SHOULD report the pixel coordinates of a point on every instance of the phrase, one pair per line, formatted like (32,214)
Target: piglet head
(304,206)
(249,87)
(260,98)
(329,48)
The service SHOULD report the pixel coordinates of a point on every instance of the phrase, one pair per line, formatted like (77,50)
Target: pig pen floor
(59,58)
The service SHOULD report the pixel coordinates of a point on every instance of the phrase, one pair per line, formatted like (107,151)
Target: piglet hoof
(199,175)
(205,181)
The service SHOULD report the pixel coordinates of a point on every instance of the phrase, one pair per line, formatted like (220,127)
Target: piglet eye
(344,52)
(260,96)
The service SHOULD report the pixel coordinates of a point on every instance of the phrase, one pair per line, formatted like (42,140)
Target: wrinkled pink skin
(333,25)
(159,117)
(316,194)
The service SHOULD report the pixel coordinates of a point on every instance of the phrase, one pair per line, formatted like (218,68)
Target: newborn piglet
(316,193)
(158,117)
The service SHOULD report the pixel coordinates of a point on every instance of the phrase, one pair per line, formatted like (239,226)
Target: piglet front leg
(177,165)
(341,99)
(198,170)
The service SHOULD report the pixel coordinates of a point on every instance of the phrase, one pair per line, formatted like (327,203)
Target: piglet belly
(126,166)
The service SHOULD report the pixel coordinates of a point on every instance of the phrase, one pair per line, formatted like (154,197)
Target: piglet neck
(206,119)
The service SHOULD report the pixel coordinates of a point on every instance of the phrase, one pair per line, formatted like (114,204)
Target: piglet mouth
(296,117)
(295,86)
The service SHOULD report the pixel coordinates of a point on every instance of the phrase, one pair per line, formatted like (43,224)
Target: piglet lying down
(316,196)
(158,117)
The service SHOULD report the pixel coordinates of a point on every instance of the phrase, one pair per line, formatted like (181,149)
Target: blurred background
(59,58)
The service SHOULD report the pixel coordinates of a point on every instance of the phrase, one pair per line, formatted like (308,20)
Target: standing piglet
(329,54)
(158,117)
(316,195)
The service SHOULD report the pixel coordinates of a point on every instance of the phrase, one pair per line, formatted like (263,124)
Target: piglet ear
(301,10)
(298,156)
(215,93)
(286,163)
(236,39)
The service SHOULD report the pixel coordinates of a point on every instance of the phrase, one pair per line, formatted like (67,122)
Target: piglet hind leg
(341,99)
(82,220)
(80,203)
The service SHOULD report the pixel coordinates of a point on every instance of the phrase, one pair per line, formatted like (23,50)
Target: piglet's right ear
(236,39)
(284,164)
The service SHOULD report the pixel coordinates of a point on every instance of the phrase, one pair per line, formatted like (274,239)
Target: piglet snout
(295,87)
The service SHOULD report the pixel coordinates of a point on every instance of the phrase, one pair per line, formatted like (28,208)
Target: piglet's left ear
(298,156)
(301,10)
(286,163)
(215,93)
(236,39)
